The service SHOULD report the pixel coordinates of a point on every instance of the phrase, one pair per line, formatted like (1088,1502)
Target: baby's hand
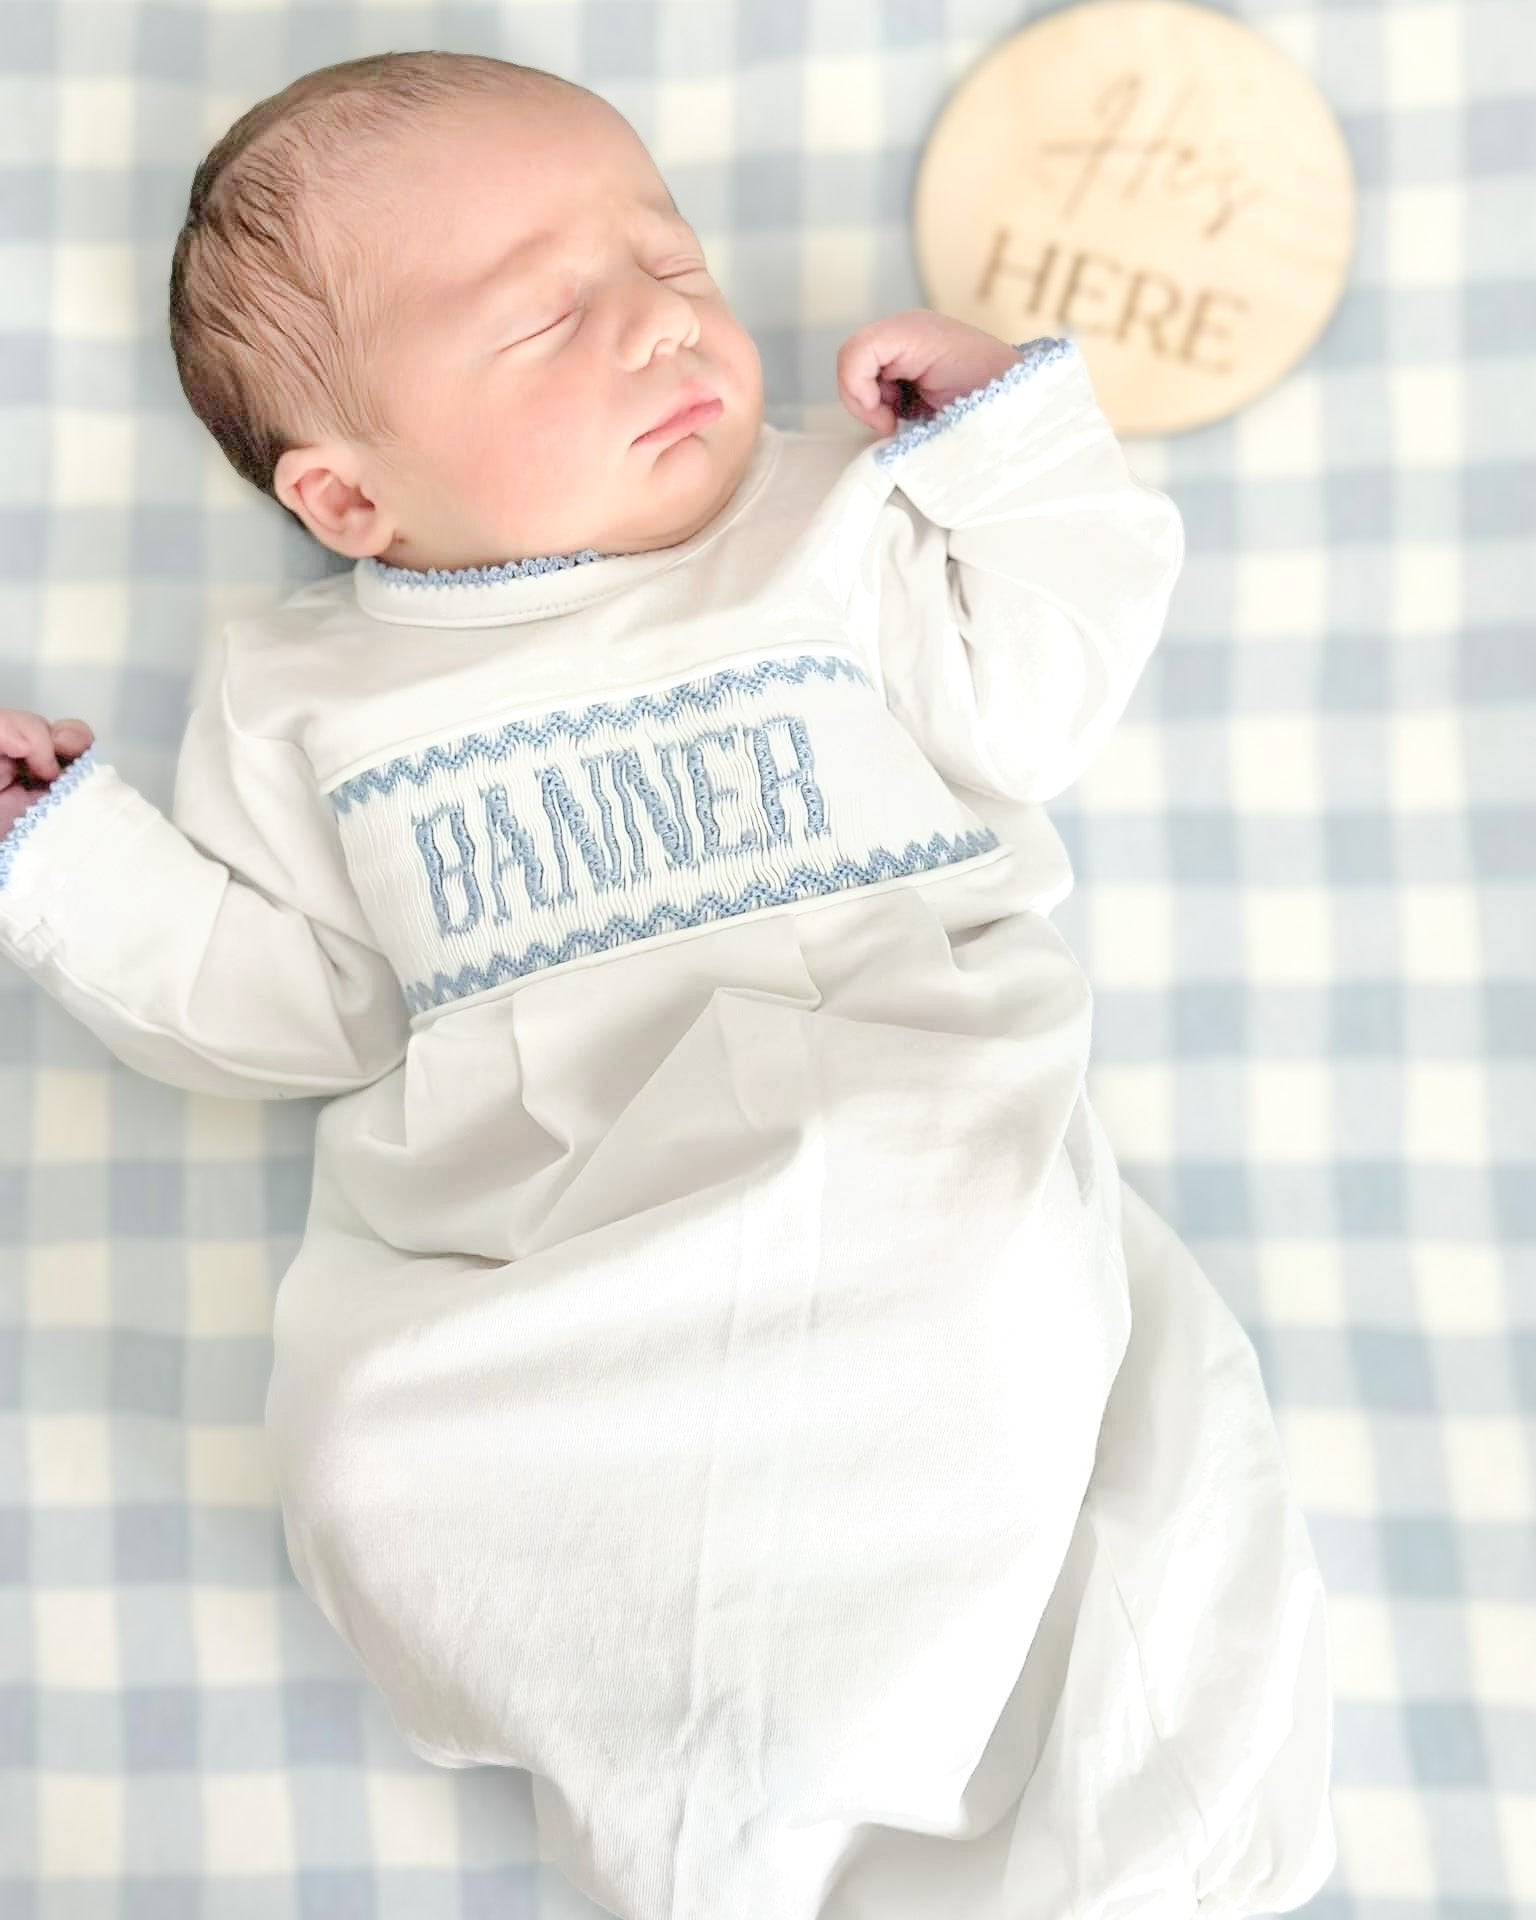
(32,755)
(915,363)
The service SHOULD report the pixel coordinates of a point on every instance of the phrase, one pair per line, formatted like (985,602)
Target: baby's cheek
(506,470)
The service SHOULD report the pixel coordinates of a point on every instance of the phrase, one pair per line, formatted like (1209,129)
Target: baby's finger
(25,736)
(15,773)
(71,738)
(862,360)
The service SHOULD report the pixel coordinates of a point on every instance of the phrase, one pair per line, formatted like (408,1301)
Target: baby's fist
(914,363)
(32,755)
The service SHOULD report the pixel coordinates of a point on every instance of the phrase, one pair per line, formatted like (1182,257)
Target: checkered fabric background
(1305,870)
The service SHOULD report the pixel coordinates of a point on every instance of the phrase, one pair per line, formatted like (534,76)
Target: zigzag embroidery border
(705,694)
(621,930)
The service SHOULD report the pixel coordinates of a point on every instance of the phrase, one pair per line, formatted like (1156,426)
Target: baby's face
(545,307)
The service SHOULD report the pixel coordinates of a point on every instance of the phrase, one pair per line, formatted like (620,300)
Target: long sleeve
(221,949)
(1022,574)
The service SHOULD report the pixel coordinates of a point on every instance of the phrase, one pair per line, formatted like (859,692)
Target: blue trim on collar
(479,576)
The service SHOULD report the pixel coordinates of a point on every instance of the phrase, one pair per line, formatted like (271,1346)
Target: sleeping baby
(723,1373)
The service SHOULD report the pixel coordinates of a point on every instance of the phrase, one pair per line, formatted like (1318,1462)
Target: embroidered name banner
(490,856)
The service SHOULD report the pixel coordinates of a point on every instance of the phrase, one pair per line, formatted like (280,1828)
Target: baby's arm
(1022,575)
(221,949)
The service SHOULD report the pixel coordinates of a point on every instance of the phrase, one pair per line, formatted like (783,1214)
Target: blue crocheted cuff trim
(1033,355)
(479,576)
(24,824)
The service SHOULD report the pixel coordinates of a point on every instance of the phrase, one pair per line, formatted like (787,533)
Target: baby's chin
(680,490)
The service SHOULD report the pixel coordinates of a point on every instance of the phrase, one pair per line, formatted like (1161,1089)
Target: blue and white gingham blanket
(1305,896)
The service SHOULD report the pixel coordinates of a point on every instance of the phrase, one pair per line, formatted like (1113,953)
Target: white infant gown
(723,1372)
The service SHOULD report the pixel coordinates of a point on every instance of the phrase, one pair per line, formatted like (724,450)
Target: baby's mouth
(687,418)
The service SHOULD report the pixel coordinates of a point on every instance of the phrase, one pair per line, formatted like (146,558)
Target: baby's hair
(273,316)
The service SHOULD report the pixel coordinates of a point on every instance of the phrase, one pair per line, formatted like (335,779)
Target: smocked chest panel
(486,856)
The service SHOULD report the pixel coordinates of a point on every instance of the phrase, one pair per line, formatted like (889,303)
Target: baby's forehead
(575,134)
(585,154)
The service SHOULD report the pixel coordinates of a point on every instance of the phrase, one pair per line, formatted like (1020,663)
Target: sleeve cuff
(64,858)
(78,770)
(936,461)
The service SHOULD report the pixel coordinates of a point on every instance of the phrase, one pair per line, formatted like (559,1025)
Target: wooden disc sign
(1154,181)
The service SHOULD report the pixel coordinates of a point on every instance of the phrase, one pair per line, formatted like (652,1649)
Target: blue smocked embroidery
(703,694)
(801,882)
(60,790)
(480,576)
(1033,355)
